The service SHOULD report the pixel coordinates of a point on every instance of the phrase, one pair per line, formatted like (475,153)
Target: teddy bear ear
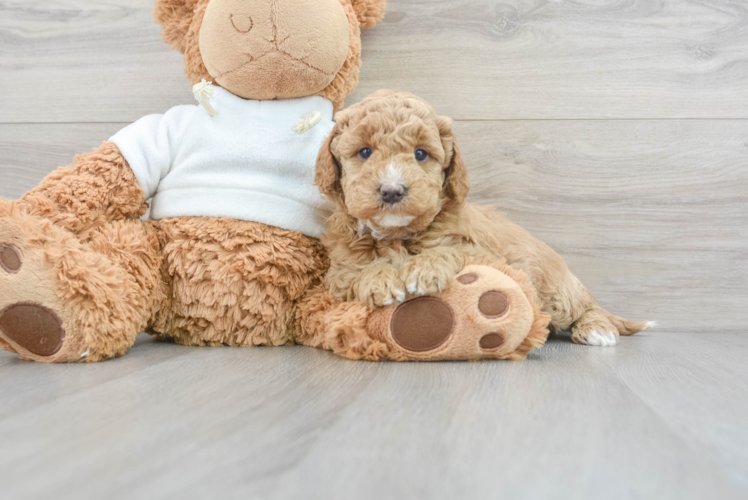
(369,12)
(176,17)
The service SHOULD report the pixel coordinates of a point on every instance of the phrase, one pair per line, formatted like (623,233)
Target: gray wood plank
(696,383)
(518,59)
(300,423)
(29,152)
(103,61)
(80,60)
(652,215)
(53,382)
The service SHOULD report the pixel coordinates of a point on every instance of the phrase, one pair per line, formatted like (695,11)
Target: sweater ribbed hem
(243,205)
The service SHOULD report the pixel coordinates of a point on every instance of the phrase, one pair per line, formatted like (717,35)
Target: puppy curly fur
(380,253)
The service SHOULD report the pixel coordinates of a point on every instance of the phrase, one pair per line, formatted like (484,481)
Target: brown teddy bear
(230,254)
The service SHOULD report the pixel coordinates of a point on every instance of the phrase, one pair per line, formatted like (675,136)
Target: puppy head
(392,164)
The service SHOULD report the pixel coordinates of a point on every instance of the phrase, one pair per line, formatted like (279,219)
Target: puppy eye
(421,155)
(365,153)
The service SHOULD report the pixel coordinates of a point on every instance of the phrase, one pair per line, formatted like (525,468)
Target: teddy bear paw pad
(33,327)
(32,315)
(422,324)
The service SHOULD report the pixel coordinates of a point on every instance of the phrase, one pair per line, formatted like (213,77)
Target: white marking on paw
(86,353)
(650,324)
(388,302)
(399,295)
(393,220)
(412,287)
(601,338)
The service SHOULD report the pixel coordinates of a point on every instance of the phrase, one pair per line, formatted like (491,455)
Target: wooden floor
(615,130)
(660,416)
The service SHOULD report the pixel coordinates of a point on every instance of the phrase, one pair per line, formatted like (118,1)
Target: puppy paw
(425,276)
(594,329)
(380,285)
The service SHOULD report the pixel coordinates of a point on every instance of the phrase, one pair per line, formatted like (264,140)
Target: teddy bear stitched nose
(242,23)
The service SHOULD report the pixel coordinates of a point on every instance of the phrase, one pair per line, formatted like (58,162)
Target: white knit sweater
(246,162)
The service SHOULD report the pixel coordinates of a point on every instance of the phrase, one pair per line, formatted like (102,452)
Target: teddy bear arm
(98,187)
(341,327)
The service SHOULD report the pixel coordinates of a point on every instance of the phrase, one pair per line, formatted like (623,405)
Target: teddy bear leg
(489,312)
(234,283)
(63,299)
(341,327)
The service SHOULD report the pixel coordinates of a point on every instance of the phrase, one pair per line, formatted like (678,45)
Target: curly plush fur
(97,275)
(420,243)
(232,282)
(109,275)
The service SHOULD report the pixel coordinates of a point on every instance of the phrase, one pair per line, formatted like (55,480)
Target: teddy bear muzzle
(261,50)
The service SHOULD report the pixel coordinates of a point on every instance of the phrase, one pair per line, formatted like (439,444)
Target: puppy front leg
(378,284)
(432,270)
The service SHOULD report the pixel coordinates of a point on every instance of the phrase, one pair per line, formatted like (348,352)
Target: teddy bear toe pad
(10,260)
(493,304)
(491,341)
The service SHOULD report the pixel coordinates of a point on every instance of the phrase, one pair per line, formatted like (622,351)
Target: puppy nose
(392,193)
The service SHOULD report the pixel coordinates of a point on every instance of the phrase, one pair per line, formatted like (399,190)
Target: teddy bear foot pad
(426,323)
(32,327)
(36,315)
(483,315)
(28,325)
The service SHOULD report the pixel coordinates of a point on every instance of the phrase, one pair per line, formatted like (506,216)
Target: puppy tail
(626,327)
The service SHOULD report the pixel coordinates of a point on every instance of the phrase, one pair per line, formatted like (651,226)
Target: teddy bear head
(271,49)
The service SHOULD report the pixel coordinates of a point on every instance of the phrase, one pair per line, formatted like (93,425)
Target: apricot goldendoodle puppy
(401,226)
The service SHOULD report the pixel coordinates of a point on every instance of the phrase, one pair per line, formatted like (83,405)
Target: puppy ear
(327,171)
(176,17)
(456,184)
(369,12)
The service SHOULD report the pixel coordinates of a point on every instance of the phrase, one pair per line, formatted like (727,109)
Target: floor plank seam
(675,433)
